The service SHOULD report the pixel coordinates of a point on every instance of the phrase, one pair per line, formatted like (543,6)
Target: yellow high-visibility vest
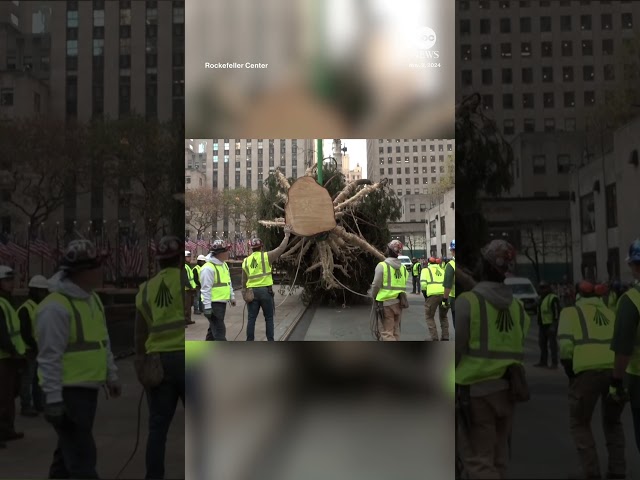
(258,270)
(13,327)
(394,282)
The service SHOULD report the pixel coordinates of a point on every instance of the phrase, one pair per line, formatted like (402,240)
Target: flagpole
(118,255)
(28,248)
(42,251)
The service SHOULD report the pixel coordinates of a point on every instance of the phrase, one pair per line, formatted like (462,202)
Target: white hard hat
(6,272)
(202,257)
(38,281)
(187,253)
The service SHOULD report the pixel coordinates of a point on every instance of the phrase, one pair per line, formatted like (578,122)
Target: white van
(523,290)
(406,261)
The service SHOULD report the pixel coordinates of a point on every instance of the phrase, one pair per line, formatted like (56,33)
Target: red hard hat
(438,261)
(601,289)
(586,287)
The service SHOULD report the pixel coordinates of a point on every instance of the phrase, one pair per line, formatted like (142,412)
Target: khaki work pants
(432,304)
(484,447)
(584,392)
(391,323)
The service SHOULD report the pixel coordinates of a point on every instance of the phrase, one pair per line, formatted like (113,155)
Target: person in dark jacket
(30,393)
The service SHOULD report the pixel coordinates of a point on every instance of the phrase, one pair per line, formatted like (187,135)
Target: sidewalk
(286,314)
(114,432)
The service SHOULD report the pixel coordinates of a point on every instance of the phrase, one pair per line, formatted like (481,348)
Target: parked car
(524,291)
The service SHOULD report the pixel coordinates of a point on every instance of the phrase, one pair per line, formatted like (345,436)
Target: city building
(542,66)
(603,225)
(226,164)
(353,174)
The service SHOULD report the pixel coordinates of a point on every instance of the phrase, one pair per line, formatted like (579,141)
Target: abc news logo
(425,41)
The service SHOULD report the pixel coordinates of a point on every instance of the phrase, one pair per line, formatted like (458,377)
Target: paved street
(353,323)
(114,431)
(542,446)
(287,312)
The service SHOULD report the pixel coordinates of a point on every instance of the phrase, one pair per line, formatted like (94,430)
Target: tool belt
(404,301)
(149,370)
(247,295)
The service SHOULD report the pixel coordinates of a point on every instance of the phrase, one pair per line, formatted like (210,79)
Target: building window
(587,48)
(564,164)
(508,127)
(507,101)
(423,207)
(525,49)
(589,98)
(505,25)
(549,125)
(432,228)
(627,21)
(545,24)
(485,26)
(569,99)
(487,77)
(467,78)
(6,97)
(529,125)
(570,124)
(565,23)
(98,18)
(547,74)
(567,48)
(465,52)
(72,48)
(585,23)
(527,75)
(527,100)
(487,101)
(546,49)
(98,47)
(587,214)
(548,99)
(505,50)
(567,74)
(465,27)
(443,230)
(507,76)
(539,165)
(606,21)
(525,25)
(607,46)
(485,51)
(588,73)
(609,72)
(611,205)
(178,12)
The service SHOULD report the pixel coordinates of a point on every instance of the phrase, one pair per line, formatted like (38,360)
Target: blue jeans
(216,321)
(163,401)
(261,298)
(75,455)
(30,393)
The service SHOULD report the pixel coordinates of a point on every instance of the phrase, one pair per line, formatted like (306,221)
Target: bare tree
(202,208)
(531,252)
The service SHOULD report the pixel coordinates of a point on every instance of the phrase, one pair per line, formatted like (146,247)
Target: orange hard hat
(438,261)
(601,289)
(585,287)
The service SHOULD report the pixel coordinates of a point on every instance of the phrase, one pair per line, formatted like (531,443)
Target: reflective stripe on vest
(589,352)
(260,274)
(13,328)
(161,303)
(434,285)
(452,262)
(30,306)
(493,345)
(85,358)
(220,290)
(192,282)
(546,310)
(392,285)
(633,294)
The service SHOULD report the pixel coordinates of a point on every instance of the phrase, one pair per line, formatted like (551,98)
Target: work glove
(617,392)
(54,413)
(207,312)
(445,303)
(288,229)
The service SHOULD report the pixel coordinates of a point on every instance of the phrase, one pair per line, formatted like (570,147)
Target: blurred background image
(356,68)
(91,129)
(342,411)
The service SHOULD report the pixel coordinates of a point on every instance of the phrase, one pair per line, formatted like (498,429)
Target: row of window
(416,191)
(398,140)
(546,75)
(415,159)
(407,170)
(587,210)
(545,24)
(432,148)
(7,99)
(562,164)
(504,4)
(416,181)
(526,49)
(529,125)
(548,100)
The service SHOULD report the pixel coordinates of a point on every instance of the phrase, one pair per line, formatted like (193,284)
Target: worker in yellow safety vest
(198,309)
(431,281)
(492,328)
(584,335)
(626,342)
(389,282)
(449,297)
(160,348)
(12,351)
(189,289)
(30,393)
(548,317)
(257,283)
(415,273)
(217,289)
(74,359)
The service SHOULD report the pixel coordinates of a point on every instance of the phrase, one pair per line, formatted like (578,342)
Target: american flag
(131,259)
(110,263)
(189,245)
(18,253)
(41,248)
